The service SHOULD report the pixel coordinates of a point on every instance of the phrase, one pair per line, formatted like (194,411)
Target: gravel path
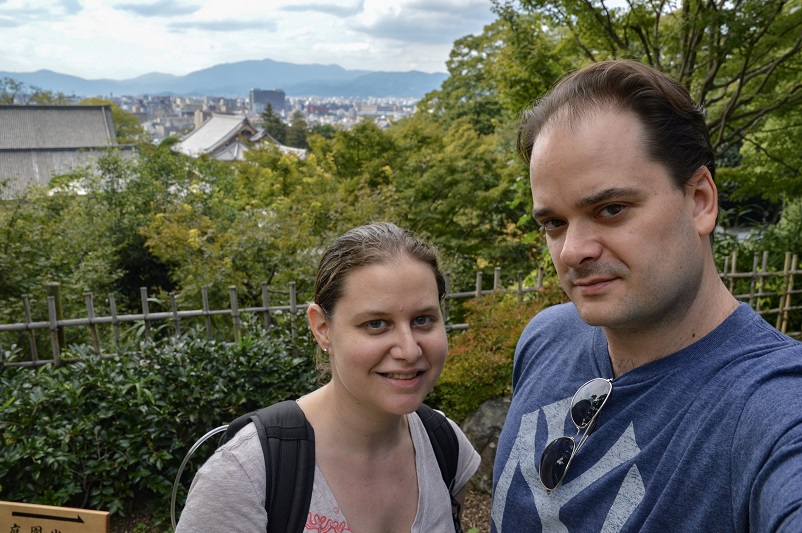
(476,511)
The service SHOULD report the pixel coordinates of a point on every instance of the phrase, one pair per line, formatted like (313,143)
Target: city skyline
(124,39)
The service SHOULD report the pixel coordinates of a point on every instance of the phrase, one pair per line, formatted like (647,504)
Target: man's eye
(551,224)
(611,210)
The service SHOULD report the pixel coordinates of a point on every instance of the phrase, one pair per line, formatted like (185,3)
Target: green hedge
(479,364)
(101,433)
(105,433)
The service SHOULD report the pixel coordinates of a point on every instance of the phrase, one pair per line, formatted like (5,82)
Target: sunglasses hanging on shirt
(585,406)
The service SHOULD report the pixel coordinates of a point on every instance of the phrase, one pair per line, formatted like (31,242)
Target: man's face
(620,233)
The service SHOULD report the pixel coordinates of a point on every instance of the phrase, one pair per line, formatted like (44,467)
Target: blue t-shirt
(706,439)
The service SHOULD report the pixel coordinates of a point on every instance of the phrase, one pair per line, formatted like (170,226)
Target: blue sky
(122,39)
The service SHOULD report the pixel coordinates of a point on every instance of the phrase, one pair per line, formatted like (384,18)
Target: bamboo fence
(769,292)
(146,320)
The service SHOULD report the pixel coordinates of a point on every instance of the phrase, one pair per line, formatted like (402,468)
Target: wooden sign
(32,518)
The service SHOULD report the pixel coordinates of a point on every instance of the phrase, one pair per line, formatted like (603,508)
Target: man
(685,407)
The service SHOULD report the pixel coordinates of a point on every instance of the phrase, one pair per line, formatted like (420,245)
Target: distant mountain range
(237,79)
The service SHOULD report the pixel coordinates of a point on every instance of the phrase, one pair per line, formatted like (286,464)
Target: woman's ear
(705,201)
(319,324)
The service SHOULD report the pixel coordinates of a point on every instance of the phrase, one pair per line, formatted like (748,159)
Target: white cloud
(160,8)
(127,38)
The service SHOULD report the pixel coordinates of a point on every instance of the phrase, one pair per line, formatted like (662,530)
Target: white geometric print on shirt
(630,494)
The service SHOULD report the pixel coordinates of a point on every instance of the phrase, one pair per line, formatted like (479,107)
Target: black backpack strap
(446,450)
(288,444)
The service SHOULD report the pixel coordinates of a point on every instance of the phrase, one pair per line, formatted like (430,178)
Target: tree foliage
(13,92)
(740,58)
(297,130)
(272,123)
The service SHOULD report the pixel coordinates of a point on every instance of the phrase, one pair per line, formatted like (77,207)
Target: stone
(483,429)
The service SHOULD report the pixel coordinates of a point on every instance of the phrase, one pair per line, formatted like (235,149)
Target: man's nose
(580,243)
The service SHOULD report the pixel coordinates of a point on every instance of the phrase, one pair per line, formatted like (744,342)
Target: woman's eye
(375,324)
(423,321)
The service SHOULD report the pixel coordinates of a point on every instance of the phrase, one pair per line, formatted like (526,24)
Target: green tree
(16,92)
(9,89)
(492,76)
(458,187)
(326,131)
(363,156)
(273,124)
(266,221)
(42,97)
(54,236)
(770,165)
(297,131)
(741,59)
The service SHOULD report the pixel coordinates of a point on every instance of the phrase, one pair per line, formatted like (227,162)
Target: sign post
(32,518)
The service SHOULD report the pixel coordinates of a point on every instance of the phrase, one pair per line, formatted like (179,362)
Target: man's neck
(630,349)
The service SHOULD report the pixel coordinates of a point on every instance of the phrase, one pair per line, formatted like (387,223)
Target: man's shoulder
(564,314)
(557,326)
(756,338)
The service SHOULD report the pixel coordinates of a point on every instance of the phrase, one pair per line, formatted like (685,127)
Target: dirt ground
(476,511)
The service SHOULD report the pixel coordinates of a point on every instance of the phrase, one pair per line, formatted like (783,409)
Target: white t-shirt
(228,492)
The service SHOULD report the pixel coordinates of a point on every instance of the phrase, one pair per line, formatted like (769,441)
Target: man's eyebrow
(541,213)
(605,195)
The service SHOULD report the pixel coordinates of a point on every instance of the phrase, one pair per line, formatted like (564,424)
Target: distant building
(227,138)
(259,100)
(38,143)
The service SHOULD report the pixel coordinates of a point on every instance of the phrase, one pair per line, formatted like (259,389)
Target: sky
(122,39)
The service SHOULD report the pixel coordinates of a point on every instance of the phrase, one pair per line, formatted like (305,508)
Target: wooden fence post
(115,322)
(764,268)
(90,314)
(780,304)
(54,291)
(753,282)
(143,292)
(54,332)
(176,318)
(447,303)
(789,288)
(26,305)
(206,312)
(293,310)
(479,284)
(734,269)
(232,295)
(266,305)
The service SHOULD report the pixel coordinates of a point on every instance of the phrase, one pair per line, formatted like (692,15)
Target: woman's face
(386,337)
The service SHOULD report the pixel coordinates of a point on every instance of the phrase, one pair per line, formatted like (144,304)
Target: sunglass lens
(588,400)
(554,461)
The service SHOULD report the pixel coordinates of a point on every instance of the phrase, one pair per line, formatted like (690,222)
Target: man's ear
(704,193)
(319,324)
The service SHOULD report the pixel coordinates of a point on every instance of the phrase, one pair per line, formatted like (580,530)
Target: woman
(376,318)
